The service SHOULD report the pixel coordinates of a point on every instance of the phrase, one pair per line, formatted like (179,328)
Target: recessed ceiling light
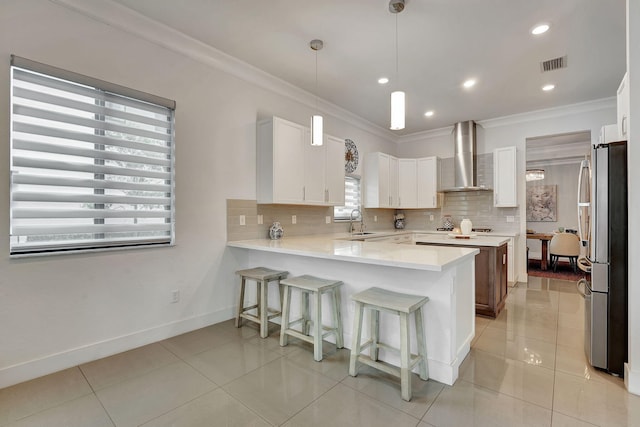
(429,113)
(548,87)
(540,29)
(469,83)
(383,80)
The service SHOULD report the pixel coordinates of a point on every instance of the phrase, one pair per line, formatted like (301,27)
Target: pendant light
(316,119)
(397,96)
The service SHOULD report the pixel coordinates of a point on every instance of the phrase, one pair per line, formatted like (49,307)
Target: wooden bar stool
(262,276)
(403,305)
(308,285)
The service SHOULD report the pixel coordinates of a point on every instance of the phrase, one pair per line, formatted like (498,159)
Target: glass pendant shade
(316,130)
(534,174)
(397,110)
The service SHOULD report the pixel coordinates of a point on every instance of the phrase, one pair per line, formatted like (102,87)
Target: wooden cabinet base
(491,279)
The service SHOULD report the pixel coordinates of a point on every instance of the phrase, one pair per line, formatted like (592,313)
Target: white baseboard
(49,364)
(631,380)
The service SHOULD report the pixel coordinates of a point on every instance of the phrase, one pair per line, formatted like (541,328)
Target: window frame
(145,107)
(346,217)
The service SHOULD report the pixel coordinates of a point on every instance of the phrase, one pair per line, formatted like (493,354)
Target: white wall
(632,375)
(59,311)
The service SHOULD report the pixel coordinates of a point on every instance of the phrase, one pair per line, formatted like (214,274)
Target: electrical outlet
(327,219)
(510,218)
(175,296)
(375,218)
(243,220)
(431,217)
(260,219)
(294,219)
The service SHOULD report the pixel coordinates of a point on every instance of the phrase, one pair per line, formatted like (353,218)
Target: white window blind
(91,163)
(352,198)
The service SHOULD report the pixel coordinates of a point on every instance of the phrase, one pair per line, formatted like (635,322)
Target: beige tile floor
(526,368)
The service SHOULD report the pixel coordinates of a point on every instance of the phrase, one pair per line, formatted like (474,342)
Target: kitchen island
(444,274)
(490,268)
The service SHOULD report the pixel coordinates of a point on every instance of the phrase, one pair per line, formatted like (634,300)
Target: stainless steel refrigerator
(606,292)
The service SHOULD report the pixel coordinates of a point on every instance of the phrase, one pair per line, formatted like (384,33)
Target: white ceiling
(441,43)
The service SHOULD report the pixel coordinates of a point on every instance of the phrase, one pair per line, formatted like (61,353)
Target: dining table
(544,240)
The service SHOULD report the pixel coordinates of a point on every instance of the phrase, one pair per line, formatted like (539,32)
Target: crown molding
(427,134)
(121,17)
(550,113)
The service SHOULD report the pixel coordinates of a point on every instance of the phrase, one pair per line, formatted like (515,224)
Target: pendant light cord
(397,72)
(316,81)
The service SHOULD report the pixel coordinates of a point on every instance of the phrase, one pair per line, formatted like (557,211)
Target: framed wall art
(542,203)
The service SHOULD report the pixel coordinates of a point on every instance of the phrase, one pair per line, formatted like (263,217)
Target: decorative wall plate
(350,156)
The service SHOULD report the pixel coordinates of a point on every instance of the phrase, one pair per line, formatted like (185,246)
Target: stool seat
(389,300)
(262,276)
(262,273)
(377,300)
(317,286)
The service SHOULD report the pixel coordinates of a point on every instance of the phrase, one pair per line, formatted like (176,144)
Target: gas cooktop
(475,230)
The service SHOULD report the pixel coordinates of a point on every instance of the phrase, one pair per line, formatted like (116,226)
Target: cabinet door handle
(624,125)
(399,201)
(304,193)
(434,201)
(504,258)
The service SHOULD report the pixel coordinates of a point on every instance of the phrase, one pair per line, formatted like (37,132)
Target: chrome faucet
(351,217)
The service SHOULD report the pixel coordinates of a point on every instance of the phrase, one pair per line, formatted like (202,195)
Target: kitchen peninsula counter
(444,274)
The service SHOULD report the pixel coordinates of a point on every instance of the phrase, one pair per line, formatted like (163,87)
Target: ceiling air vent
(553,64)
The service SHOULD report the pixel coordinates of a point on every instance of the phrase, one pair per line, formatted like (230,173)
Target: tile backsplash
(475,205)
(309,219)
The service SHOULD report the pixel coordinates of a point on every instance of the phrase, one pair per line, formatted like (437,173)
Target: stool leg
(422,345)
(262,308)
(281,290)
(317,328)
(405,355)
(286,306)
(375,333)
(305,313)
(337,318)
(240,303)
(355,346)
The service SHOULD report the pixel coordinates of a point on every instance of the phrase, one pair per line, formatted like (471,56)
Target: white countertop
(432,258)
(480,239)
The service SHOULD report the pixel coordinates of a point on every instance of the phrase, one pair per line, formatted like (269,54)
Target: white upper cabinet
(292,171)
(428,182)
(504,178)
(623,108)
(334,171)
(394,196)
(407,183)
(376,175)
(401,183)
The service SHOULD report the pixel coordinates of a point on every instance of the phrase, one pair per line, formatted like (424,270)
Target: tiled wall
(475,205)
(309,219)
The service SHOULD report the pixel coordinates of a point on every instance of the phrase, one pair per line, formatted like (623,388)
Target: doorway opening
(553,165)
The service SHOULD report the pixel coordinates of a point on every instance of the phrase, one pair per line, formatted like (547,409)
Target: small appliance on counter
(447,222)
(276,231)
(398,221)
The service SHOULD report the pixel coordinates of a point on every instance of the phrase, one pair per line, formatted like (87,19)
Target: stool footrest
(299,335)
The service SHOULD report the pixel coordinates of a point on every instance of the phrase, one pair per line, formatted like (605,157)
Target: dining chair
(564,245)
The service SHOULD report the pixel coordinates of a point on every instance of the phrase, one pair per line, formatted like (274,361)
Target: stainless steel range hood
(464,159)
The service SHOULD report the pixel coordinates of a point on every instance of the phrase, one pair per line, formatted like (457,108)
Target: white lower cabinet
(292,171)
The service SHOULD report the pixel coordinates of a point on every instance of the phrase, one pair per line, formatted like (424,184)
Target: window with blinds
(91,163)
(352,199)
